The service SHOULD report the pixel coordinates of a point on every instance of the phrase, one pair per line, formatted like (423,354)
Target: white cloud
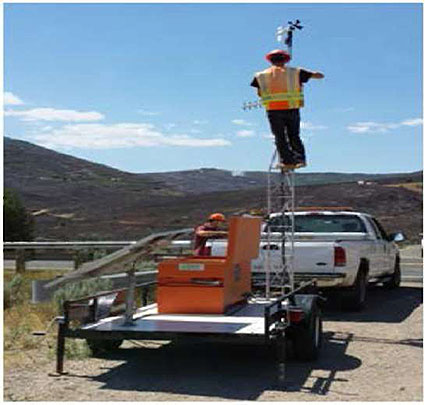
(123,135)
(52,114)
(369,126)
(200,122)
(241,122)
(11,99)
(268,136)
(378,127)
(147,113)
(245,133)
(169,126)
(413,122)
(311,127)
(238,173)
(343,109)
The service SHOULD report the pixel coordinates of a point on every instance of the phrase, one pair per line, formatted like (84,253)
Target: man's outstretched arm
(317,75)
(209,234)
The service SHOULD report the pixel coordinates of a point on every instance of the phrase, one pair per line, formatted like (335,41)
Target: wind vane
(285,34)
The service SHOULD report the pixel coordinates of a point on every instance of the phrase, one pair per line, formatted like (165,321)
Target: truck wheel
(99,346)
(394,281)
(307,336)
(355,298)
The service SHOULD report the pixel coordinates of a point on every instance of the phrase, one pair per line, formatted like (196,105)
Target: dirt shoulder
(375,355)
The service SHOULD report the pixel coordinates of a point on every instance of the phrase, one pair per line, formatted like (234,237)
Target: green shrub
(18,223)
(80,289)
(15,291)
(77,349)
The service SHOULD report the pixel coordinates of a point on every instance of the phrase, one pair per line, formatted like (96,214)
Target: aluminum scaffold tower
(280,214)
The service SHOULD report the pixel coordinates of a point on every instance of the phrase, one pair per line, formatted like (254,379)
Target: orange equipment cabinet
(210,284)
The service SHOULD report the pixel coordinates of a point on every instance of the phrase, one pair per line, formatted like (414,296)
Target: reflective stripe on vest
(280,88)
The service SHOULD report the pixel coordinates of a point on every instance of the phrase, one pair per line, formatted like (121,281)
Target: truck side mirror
(397,237)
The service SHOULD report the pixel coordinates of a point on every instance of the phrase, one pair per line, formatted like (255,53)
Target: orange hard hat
(217,217)
(279,52)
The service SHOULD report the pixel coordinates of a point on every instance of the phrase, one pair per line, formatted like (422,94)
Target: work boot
(300,164)
(284,167)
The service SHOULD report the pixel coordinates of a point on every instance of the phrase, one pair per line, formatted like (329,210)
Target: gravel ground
(375,355)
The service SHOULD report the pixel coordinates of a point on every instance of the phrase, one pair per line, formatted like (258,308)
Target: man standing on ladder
(280,88)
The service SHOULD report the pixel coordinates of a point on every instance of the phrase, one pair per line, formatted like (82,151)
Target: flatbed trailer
(293,317)
(197,297)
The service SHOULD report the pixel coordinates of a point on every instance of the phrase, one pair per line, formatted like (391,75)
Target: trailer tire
(307,336)
(355,298)
(100,346)
(394,281)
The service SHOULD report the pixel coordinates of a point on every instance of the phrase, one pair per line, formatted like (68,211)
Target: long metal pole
(129,308)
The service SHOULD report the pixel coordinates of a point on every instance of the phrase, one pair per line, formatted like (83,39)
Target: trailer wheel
(99,346)
(307,336)
(394,281)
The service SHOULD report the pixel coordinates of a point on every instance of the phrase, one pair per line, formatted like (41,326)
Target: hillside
(76,199)
(207,179)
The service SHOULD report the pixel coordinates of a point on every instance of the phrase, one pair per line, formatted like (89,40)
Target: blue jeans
(285,126)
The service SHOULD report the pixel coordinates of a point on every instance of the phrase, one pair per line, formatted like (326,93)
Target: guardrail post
(20,260)
(77,257)
(145,293)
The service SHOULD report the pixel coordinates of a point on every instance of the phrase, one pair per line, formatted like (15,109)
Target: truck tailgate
(310,257)
(314,257)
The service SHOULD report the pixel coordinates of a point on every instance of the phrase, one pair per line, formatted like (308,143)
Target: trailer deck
(242,320)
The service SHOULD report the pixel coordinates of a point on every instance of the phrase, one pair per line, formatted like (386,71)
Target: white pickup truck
(342,250)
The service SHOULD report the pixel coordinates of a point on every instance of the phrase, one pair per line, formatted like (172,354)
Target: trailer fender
(306,302)
(306,335)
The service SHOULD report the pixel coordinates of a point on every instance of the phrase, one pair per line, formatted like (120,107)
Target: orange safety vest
(280,88)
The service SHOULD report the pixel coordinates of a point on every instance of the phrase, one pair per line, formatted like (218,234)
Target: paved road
(373,355)
(411,264)
(42,265)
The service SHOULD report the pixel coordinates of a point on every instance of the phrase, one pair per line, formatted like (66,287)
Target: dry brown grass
(417,187)
(20,322)
(22,318)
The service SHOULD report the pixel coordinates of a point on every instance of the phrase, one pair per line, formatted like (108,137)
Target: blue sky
(159,87)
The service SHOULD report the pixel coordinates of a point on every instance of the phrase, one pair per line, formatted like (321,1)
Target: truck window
(374,227)
(319,223)
(275,224)
(381,229)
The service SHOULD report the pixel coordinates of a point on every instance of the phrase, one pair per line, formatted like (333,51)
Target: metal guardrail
(65,245)
(76,246)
